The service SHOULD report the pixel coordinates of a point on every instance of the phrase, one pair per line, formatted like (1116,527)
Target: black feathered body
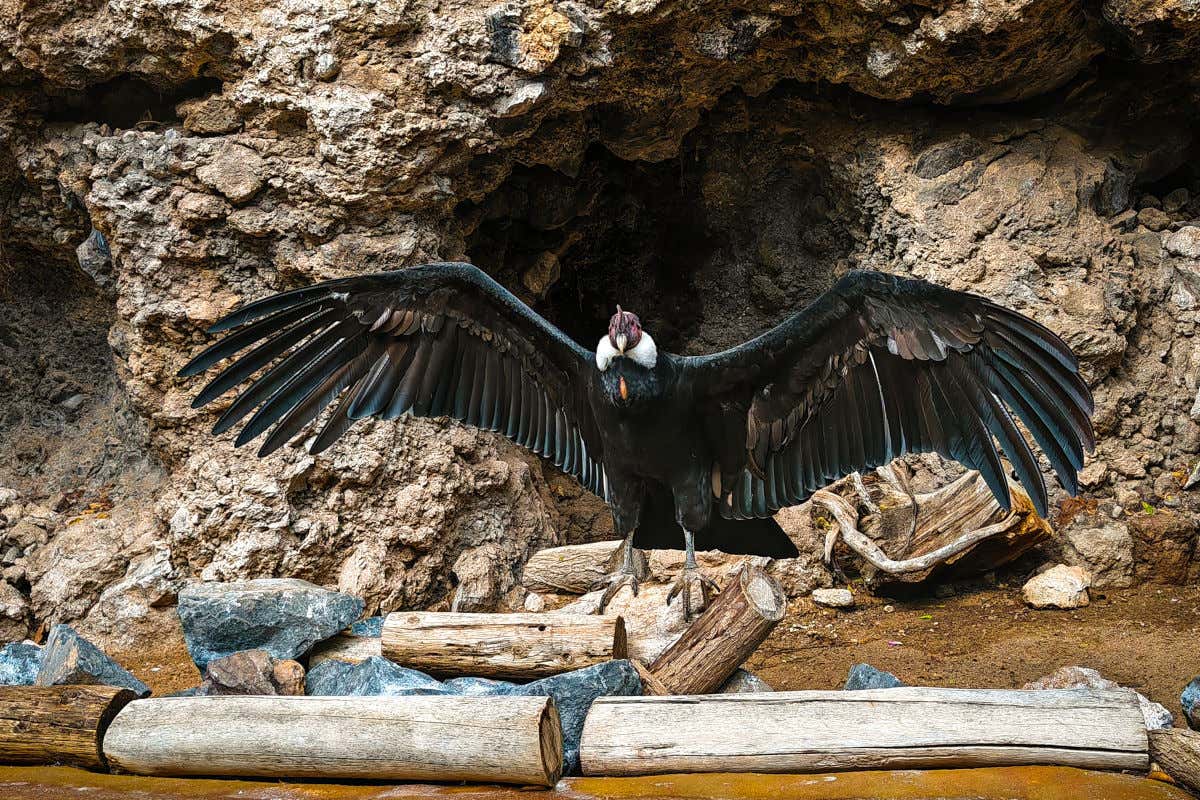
(877,367)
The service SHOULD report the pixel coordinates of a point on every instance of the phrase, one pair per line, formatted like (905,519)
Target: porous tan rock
(1058,587)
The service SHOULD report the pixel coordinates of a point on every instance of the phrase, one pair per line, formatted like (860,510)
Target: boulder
(864,676)
(1155,715)
(833,598)
(1184,242)
(369,627)
(374,676)
(283,616)
(575,691)
(1190,700)
(1058,587)
(252,672)
(19,664)
(743,681)
(69,658)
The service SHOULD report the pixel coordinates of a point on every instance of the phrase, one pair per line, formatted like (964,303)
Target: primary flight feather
(876,367)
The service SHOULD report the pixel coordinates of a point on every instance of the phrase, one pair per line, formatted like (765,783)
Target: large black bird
(876,367)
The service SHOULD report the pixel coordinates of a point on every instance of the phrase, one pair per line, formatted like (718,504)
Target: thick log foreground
(743,615)
(1177,753)
(57,724)
(419,738)
(505,646)
(868,729)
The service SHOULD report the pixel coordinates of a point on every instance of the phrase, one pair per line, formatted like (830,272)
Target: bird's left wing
(434,340)
(880,366)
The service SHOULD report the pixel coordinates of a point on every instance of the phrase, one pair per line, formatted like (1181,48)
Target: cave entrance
(709,248)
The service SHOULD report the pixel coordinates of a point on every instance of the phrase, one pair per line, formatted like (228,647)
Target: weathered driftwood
(57,724)
(1177,753)
(506,646)
(737,622)
(869,729)
(345,648)
(959,528)
(435,738)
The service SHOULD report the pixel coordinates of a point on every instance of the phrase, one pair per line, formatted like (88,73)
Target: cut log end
(764,593)
(551,739)
(58,724)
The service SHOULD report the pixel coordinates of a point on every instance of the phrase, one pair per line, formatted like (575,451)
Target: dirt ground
(1145,638)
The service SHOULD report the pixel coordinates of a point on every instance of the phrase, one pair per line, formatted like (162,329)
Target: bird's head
(626,339)
(624,330)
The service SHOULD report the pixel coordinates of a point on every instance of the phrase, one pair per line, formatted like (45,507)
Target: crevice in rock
(126,102)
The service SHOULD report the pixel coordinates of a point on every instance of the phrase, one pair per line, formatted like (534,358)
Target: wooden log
(434,738)
(354,649)
(57,724)
(504,646)
(571,569)
(1177,753)
(870,729)
(743,615)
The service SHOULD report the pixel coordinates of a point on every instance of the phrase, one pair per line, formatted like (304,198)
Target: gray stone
(375,676)
(833,598)
(476,687)
(283,616)
(1058,587)
(1184,242)
(1154,714)
(1190,700)
(369,627)
(19,664)
(69,658)
(575,691)
(864,676)
(247,672)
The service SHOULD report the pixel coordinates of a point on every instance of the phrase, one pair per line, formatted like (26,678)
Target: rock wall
(711,165)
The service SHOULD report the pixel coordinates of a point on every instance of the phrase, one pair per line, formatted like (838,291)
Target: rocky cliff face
(712,165)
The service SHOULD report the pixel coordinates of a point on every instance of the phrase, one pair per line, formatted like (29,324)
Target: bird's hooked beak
(622,342)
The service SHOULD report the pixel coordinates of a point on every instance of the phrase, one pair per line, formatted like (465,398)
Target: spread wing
(435,340)
(880,366)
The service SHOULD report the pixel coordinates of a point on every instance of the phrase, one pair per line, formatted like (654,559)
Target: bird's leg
(628,568)
(689,576)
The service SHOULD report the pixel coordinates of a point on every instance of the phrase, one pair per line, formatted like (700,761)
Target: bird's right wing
(434,340)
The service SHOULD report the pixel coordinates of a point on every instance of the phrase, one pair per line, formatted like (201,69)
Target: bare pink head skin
(624,330)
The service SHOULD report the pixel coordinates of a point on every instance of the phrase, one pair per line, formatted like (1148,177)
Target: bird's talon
(682,586)
(612,584)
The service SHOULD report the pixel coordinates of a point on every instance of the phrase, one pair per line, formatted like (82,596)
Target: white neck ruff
(645,353)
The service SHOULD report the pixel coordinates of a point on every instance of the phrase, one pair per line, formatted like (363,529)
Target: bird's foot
(614,583)
(688,578)
(632,570)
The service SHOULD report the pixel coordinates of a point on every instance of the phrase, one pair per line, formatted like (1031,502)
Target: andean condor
(876,367)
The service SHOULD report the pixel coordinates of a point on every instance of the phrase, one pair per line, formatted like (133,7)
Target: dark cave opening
(126,102)
(710,247)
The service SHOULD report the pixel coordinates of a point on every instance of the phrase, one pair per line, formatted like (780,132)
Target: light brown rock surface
(710,165)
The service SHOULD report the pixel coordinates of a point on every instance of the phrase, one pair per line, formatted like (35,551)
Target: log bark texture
(57,724)
(869,729)
(571,569)
(505,646)
(421,738)
(1177,752)
(743,615)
